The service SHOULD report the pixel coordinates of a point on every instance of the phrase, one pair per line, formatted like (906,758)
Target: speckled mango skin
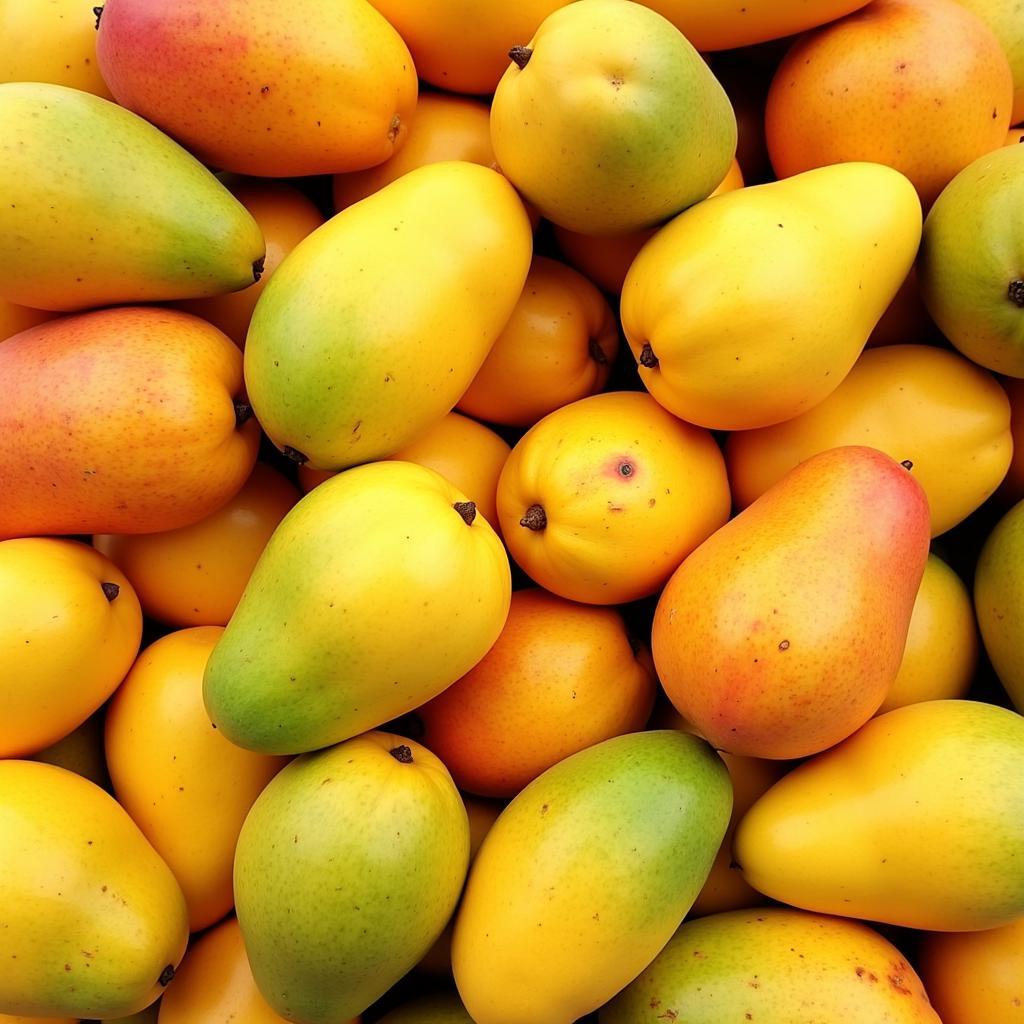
(102,208)
(92,917)
(774,966)
(316,87)
(916,820)
(782,633)
(372,596)
(347,869)
(585,876)
(374,325)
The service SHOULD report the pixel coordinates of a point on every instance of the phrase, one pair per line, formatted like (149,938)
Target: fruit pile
(509,512)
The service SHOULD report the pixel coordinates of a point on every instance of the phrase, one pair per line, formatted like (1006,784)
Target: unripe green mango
(585,876)
(100,208)
(348,867)
(93,923)
(375,324)
(378,590)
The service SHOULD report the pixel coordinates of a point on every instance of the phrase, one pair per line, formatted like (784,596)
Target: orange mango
(195,575)
(185,786)
(126,420)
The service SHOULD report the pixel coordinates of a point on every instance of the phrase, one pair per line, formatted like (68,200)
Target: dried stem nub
(520,56)
(466,509)
(535,518)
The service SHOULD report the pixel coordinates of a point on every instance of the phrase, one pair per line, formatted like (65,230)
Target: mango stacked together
(509,513)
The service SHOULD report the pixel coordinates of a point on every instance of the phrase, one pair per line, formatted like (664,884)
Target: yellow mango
(185,786)
(914,820)
(374,325)
(941,652)
(752,306)
(94,922)
(776,966)
(71,629)
(585,876)
(927,406)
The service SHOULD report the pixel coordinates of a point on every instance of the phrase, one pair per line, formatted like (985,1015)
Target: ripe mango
(379,589)
(609,121)
(777,966)
(125,420)
(914,820)
(348,867)
(374,325)
(752,306)
(94,922)
(101,208)
(585,876)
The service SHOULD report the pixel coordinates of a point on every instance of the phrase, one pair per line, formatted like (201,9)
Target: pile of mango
(512,512)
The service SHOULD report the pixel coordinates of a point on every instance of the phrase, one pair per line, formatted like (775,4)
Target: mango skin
(348,867)
(331,90)
(374,325)
(863,830)
(779,636)
(774,965)
(585,876)
(168,229)
(999,601)
(438,1008)
(371,597)
(755,304)
(120,421)
(93,917)
(614,123)
(65,645)
(971,266)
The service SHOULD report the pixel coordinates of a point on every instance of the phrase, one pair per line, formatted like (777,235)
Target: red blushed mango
(557,347)
(331,90)
(195,575)
(285,216)
(920,85)
(127,420)
(561,676)
(782,633)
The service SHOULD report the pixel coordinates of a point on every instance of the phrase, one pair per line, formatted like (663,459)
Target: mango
(601,499)
(348,867)
(439,1008)
(585,876)
(185,786)
(127,420)
(999,600)
(374,325)
(971,266)
(71,630)
(774,965)
(609,121)
(331,91)
(864,829)
(943,414)
(378,590)
(94,922)
(71,241)
(751,307)
(778,636)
